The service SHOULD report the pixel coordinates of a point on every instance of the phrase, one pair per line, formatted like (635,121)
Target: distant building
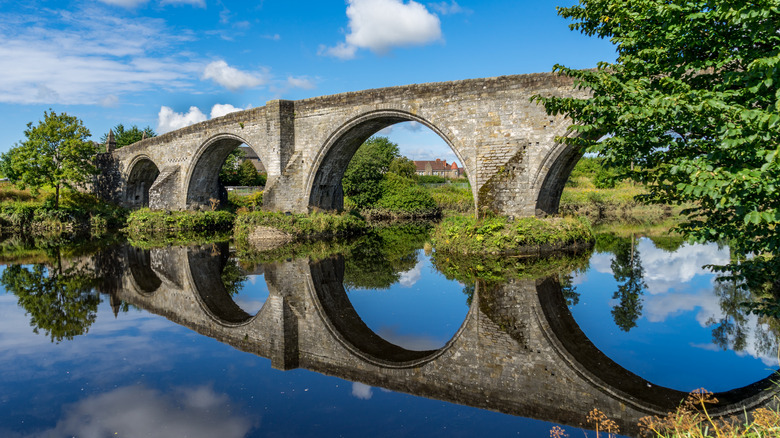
(250,155)
(438,168)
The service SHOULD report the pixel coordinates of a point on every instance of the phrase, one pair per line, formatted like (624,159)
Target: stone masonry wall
(505,142)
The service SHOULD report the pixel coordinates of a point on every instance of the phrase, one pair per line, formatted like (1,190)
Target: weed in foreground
(692,420)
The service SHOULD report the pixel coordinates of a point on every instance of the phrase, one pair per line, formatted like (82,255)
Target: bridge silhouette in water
(519,350)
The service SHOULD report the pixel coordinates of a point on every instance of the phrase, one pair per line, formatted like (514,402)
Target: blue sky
(168,63)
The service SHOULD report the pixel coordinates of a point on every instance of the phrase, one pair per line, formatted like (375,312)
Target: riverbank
(22,211)
(501,235)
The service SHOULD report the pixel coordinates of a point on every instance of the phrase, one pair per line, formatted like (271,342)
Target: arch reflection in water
(651,306)
(517,351)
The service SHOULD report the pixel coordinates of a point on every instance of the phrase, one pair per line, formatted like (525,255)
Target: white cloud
(450,8)
(124,3)
(303,83)
(380,25)
(412,276)
(196,3)
(80,57)
(232,78)
(169,120)
(362,391)
(220,110)
(110,101)
(140,411)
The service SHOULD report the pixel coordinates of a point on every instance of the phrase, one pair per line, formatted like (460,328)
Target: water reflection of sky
(138,374)
(423,311)
(672,343)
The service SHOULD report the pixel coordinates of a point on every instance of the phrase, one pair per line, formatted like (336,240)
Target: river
(379,337)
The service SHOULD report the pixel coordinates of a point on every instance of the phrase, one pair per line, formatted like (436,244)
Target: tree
(404,167)
(627,268)
(693,101)
(56,153)
(60,301)
(125,137)
(363,177)
(228,174)
(247,174)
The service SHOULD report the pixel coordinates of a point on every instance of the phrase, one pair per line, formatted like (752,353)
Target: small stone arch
(143,278)
(143,172)
(202,181)
(324,180)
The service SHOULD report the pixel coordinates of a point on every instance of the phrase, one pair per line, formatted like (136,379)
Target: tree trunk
(57,197)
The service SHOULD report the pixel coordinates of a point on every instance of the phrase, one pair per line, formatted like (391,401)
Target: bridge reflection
(518,351)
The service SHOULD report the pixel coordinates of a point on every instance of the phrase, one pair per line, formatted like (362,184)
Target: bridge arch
(326,286)
(574,348)
(202,179)
(143,279)
(143,172)
(323,184)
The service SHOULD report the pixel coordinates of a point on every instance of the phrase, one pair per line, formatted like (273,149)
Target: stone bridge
(505,142)
(519,350)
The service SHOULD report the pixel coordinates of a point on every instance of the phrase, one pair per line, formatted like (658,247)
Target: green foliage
(248,176)
(403,167)
(229,172)
(126,137)
(147,222)
(499,235)
(363,178)
(21,212)
(452,198)
(59,301)
(376,261)
(401,194)
(245,203)
(56,153)
(693,101)
(301,226)
(628,272)
(430,179)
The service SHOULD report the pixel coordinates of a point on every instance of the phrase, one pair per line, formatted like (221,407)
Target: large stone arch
(323,184)
(205,266)
(575,349)
(202,179)
(143,172)
(326,285)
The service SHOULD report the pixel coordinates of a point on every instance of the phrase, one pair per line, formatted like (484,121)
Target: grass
(147,222)
(301,226)
(614,202)
(500,235)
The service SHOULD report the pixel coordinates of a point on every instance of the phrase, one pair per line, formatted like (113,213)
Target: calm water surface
(122,344)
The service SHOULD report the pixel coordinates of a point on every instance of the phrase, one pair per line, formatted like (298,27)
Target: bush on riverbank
(402,198)
(145,221)
(20,211)
(500,235)
(452,199)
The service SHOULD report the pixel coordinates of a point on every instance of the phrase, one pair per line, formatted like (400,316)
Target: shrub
(401,194)
(431,179)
